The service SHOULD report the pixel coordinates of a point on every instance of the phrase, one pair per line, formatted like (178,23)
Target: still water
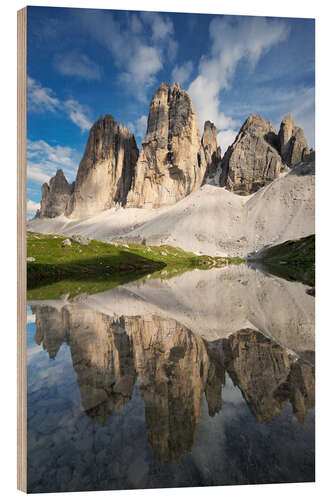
(203,379)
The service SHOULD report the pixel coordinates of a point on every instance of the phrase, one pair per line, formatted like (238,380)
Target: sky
(83,63)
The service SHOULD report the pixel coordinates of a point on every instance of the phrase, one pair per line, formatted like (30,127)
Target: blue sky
(83,63)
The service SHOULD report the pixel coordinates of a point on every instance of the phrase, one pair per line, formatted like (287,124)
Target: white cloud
(78,65)
(44,160)
(32,207)
(172,49)
(77,114)
(139,127)
(139,45)
(143,67)
(182,73)
(274,103)
(36,172)
(225,138)
(57,154)
(245,39)
(161,26)
(41,99)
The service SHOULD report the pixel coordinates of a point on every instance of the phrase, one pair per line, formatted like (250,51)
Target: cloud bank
(77,65)
(139,45)
(42,99)
(44,160)
(233,40)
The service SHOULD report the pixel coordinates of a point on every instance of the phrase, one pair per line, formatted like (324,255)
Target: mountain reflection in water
(177,377)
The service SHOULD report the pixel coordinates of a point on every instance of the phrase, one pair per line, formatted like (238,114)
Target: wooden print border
(21,249)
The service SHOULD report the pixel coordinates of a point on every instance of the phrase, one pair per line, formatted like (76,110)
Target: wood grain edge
(21,250)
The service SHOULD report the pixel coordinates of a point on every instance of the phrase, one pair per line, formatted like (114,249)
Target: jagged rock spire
(292,142)
(212,153)
(253,159)
(172,162)
(55,196)
(106,170)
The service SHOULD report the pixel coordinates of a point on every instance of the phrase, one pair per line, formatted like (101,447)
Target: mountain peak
(172,162)
(292,142)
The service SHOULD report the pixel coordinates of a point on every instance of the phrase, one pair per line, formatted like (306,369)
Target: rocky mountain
(253,160)
(292,144)
(172,161)
(55,196)
(105,173)
(258,155)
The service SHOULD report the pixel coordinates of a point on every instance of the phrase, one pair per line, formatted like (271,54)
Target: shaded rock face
(102,357)
(172,162)
(253,160)
(174,369)
(106,170)
(293,145)
(268,375)
(55,196)
(212,153)
(258,367)
(50,328)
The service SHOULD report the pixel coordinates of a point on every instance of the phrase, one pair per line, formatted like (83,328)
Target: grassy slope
(99,266)
(293,260)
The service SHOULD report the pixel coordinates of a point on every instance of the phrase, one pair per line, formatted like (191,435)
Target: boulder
(106,170)
(293,145)
(66,243)
(82,240)
(253,160)
(172,162)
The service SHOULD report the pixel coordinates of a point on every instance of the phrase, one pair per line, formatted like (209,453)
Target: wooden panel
(21,249)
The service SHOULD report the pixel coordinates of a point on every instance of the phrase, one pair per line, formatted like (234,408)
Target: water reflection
(124,362)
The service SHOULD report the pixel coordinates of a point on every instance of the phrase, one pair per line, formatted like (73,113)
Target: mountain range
(177,174)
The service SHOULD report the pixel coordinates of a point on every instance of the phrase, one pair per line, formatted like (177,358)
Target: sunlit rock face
(106,171)
(172,162)
(212,154)
(174,369)
(253,160)
(55,196)
(292,143)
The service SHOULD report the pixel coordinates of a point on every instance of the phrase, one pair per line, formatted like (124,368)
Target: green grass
(100,266)
(293,260)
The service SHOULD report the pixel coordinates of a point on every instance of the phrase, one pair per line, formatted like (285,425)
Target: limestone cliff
(253,160)
(293,145)
(212,153)
(172,162)
(106,170)
(55,196)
